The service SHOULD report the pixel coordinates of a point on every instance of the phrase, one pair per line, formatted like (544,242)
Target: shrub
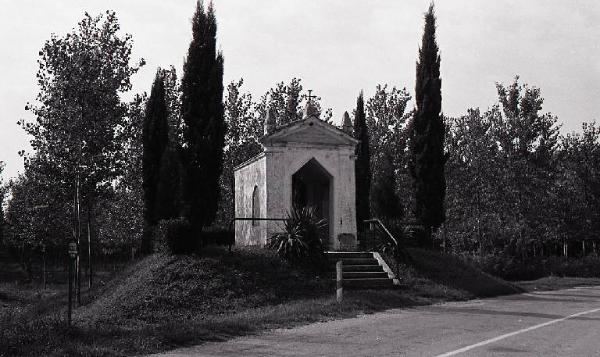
(301,243)
(175,236)
(513,268)
(218,236)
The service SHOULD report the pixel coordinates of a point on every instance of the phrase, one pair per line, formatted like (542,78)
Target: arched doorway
(311,187)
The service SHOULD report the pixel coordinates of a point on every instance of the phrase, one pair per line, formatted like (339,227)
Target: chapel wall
(246,179)
(283,162)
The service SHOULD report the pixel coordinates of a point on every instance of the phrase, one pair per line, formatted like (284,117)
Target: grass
(557,283)
(162,302)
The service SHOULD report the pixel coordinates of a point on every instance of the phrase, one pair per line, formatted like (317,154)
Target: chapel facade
(306,163)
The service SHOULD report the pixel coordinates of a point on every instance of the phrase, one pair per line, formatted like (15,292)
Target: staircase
(363,270)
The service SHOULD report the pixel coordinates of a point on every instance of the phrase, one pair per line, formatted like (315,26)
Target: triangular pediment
(309,131)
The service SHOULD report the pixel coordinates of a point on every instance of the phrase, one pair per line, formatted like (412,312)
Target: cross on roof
(310,96)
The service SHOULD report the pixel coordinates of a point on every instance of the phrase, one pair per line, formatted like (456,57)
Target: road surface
(553,323)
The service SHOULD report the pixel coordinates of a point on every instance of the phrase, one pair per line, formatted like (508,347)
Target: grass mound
(163,287)
(432,270)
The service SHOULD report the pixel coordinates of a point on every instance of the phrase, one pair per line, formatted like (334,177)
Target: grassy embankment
(163,302)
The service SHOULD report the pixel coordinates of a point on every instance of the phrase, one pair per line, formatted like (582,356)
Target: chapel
(305,163)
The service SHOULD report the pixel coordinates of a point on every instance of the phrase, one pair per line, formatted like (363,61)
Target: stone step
(343,255)
(359,261)
(358,268)
(370,283)
(365,275)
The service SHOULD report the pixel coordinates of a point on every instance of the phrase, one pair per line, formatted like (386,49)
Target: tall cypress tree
(202,110)
(427,135)
(362,165)
(154,142)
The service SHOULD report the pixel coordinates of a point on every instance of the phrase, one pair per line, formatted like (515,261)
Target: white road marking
(501,337)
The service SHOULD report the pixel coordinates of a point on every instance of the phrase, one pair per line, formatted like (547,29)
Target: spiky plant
(301,242)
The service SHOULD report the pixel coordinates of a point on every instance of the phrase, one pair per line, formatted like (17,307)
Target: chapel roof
(309,129)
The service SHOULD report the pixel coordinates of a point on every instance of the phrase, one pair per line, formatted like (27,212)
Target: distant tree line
(515,185)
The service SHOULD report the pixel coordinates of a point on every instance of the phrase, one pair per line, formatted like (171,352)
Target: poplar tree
(204,128)
(362,165)
(155,139)
(427,136)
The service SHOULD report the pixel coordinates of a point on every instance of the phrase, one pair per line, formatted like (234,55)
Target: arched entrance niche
(312,187)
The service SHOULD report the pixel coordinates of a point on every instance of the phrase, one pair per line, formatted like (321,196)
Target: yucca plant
(301,242)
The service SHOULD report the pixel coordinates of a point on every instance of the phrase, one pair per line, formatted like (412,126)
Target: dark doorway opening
(311,187)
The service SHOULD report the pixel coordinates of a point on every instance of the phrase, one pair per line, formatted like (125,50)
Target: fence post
(69,312)
(338,281)
(44,265)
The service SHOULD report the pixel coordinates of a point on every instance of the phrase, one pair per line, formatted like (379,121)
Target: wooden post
(44,265)
(71,263)
(339,291)
(90,272)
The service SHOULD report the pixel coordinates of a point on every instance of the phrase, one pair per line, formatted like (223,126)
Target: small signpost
(72,256)
(338,280)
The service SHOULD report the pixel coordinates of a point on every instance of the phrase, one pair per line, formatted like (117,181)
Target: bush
(513,268)
(301,243)
(218,236)
(175,236)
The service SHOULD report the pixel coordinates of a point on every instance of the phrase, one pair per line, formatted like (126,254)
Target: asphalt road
(554,323)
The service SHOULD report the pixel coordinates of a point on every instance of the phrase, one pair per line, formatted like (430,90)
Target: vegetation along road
(552,323)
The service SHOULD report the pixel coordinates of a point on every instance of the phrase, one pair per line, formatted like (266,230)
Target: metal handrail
(390,236)
(398,251)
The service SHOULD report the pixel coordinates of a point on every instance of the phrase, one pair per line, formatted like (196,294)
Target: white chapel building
(308,162)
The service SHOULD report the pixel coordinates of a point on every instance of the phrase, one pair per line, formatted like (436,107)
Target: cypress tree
(362,165)
(154,142)
(168,191)
(427,135)
(203,116)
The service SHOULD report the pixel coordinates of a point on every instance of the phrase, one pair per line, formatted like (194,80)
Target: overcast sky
(337,48)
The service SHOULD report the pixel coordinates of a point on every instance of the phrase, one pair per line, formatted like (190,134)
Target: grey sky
(337,48)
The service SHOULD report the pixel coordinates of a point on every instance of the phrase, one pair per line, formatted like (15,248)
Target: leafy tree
(120,222)
(578,189)
(287,102)
(386,203)
(386,121)
(427,136)
(509,182)
(528,141)
(77,135)
(120,215)
(202,112)
(474,202)
(362,165)
(385,112)
(244,128)
(155,138)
